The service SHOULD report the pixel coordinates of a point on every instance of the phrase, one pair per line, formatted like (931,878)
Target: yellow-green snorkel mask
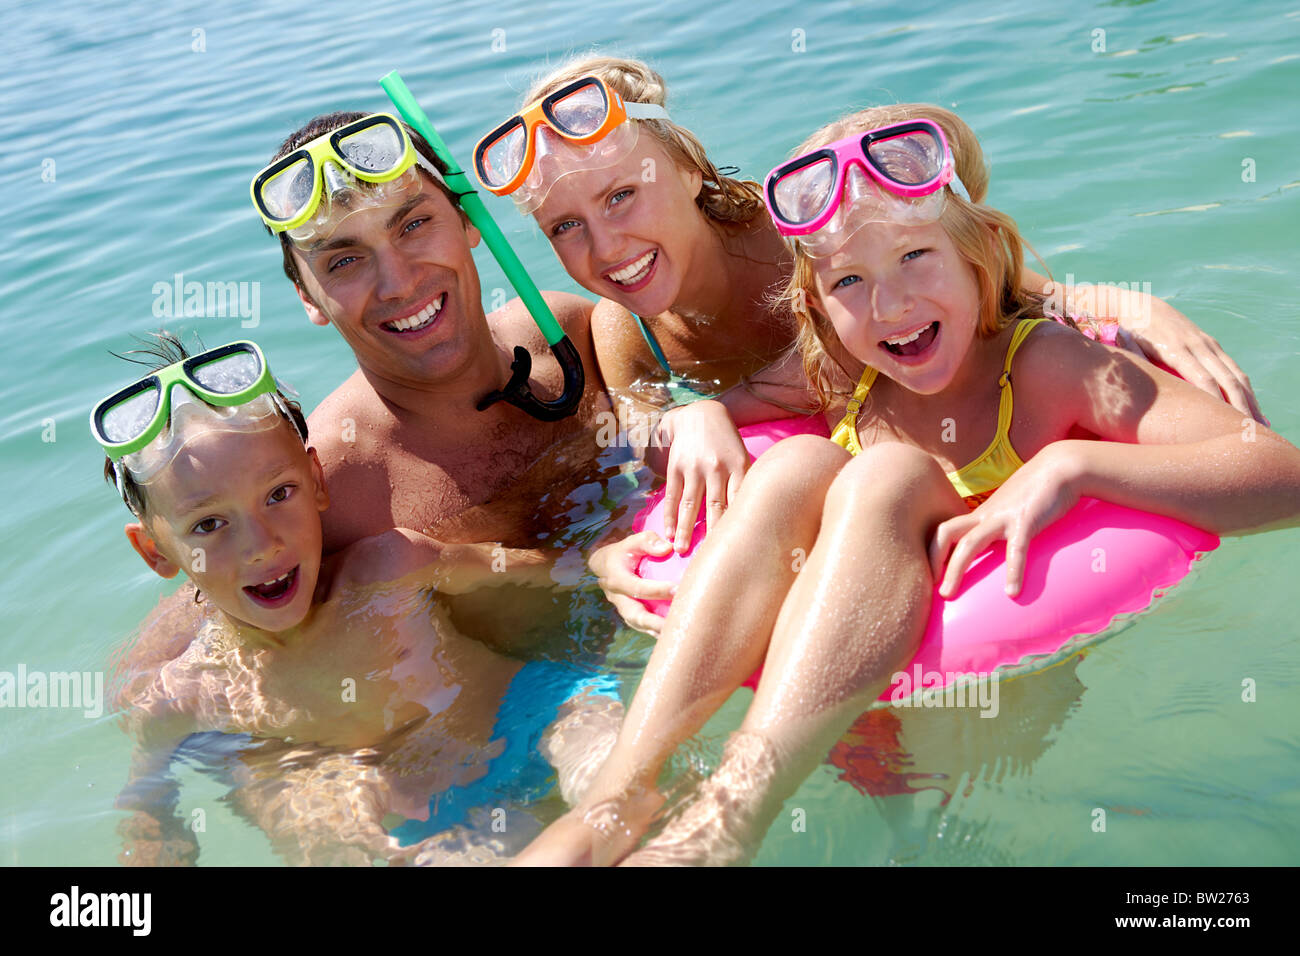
(364,164)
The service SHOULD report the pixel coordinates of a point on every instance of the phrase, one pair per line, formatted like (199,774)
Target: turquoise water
(1168,158)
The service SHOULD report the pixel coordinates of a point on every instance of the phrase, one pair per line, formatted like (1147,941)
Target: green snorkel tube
(516,391)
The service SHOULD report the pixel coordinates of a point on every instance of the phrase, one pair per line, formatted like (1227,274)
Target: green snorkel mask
(515,391)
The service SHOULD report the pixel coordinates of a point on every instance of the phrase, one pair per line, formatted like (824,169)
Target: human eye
(341,263)
(915,254)
(845,282)
(560,228)
(619,195)
(281,493)
(206,526)
(414,224)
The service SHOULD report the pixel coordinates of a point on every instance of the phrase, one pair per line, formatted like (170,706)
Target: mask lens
(502,159)
(375,149)
(910,160)
(286,193)
(228,374)
(582,112)
(801,195)
(127,419)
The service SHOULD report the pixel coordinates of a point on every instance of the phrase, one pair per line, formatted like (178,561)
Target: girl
(683,260)
(913,291)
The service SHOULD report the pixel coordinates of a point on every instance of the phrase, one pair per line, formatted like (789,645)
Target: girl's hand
(1035,496)
(1169,338)
(615,564)
(706,462)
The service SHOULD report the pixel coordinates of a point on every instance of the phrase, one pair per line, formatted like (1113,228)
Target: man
(401,441)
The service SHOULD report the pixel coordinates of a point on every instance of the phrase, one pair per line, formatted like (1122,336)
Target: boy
(357,698)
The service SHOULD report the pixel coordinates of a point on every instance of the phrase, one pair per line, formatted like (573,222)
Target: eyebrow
(206,500)
(328,245)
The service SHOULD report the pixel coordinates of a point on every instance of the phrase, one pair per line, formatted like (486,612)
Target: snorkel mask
(144,426)
(895,173)
(309,192)
(582,126)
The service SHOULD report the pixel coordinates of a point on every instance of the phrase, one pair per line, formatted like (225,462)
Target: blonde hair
(721,198)
(987,239)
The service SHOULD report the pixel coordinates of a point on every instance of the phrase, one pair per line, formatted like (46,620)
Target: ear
(694,181)
(147,548)
(322,493)
(314,313)
(472,234)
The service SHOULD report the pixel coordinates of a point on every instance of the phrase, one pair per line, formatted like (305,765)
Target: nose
(607,244)
(398,275)
(890,301)
(262,541)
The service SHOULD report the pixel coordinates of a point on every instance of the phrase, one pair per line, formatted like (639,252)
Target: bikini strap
(859,395)
(1004,380)
(653,343)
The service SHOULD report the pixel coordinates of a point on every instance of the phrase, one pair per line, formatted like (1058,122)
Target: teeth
(283,577)
(634,270)
(421,318)
(904,339)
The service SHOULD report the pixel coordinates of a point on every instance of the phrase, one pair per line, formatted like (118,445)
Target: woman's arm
(1159,333)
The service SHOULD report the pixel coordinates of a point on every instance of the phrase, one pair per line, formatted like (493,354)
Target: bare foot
(723,825)
(598,835)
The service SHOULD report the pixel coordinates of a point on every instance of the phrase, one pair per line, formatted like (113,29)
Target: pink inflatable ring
(1098,563)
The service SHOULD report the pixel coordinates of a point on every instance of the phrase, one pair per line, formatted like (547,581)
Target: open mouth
(912,344)
(418,322)
(636,273)
(277,592)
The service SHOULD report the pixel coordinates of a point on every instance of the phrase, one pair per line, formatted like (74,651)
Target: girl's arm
(1165,447)
(1160,333)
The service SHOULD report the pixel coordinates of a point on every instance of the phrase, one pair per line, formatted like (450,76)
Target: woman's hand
(1167,337)
(1035,496)
(706,462)
(615,564)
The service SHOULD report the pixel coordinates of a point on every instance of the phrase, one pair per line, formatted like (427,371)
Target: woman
(685,261)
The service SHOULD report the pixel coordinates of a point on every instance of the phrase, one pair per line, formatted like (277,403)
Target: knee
(802,466)
(891,477)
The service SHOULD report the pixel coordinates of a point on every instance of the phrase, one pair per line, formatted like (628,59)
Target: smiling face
(251,501)
(629,231)
(902,300)
(400,285)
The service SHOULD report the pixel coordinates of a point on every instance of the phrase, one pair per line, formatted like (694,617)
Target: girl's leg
(715,636)
(854,617)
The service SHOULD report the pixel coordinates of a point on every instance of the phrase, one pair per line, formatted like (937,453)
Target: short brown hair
(161,349)
(328,123)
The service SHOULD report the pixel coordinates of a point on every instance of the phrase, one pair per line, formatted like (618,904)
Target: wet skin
(401,442)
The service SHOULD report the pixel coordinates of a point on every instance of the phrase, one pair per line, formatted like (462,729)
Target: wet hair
(159,350)
(328,123)
(721,198)
(985,238)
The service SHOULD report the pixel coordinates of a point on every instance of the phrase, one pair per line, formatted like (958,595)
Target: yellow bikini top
(985,474)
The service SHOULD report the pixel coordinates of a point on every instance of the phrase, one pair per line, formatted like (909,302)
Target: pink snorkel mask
(892,174)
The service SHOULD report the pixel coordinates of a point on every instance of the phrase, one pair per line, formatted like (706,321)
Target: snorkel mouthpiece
(516,391)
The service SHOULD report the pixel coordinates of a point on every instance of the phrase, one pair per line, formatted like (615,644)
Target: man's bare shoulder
(513,325)
(334,421)
(382,557)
